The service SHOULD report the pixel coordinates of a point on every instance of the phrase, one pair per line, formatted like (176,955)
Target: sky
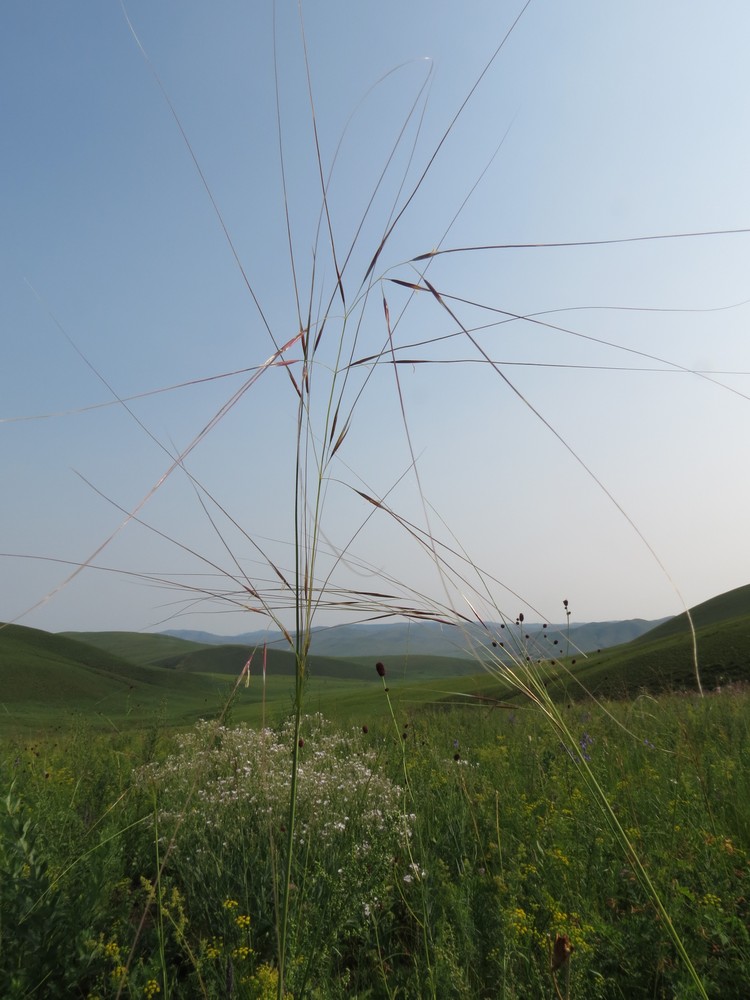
(565,422)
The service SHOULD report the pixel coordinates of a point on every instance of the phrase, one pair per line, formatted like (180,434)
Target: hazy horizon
(564,422)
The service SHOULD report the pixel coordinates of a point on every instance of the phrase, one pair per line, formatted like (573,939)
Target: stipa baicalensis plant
(379,305)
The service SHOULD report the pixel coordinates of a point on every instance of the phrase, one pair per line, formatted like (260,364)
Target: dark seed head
(457,756)
(560,951)
(380,667)
(365,729)
(300,742)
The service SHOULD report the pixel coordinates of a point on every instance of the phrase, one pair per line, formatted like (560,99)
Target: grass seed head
(561,951)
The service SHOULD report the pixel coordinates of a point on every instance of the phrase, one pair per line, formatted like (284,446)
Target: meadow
(501,834)
(438,852)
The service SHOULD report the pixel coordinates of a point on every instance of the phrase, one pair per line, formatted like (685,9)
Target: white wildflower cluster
(415,871)
(223,806)
(226,790)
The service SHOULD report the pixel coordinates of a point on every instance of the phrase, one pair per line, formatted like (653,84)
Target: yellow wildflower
(214,950)
(112,950)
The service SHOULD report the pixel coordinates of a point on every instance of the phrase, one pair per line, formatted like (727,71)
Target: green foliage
(34,928)
(138,861)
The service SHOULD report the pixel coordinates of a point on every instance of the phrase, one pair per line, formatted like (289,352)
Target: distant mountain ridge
(435,639)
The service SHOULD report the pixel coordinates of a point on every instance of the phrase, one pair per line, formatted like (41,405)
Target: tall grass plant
(307,861)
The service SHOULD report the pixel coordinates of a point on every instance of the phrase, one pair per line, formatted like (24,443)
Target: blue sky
(601,459)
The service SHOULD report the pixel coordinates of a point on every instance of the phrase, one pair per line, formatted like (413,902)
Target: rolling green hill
(231,660)
(724,607)
(44,677)
(663,659)
(659,661)
(137,647)
(127,678)
(38,663)
(185,655)
(667,664)
(196,657)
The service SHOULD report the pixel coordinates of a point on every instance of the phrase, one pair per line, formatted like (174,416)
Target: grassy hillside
(45,678)
(185,655)
(724,607)
(660,661)
(137,647)
(666,663)
(231,659)
(38,662)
